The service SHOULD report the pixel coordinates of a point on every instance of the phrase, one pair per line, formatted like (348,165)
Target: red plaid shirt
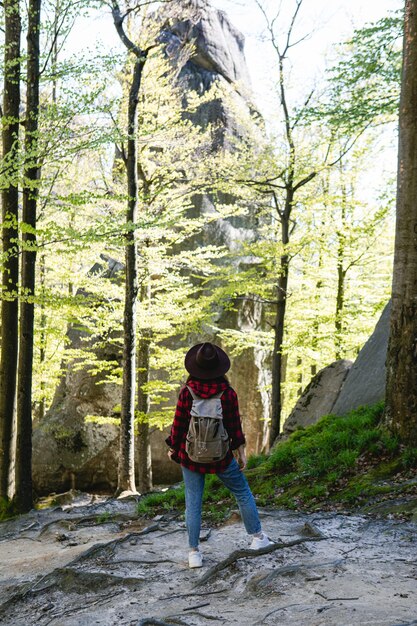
(231,421)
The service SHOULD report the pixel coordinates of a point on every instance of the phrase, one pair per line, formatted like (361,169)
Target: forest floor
(94,561)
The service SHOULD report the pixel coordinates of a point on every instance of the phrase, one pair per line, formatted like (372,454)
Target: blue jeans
(235,480)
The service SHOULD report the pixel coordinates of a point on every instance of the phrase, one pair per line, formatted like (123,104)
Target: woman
(207,365)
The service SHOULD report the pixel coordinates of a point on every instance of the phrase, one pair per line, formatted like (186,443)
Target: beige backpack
(207,439)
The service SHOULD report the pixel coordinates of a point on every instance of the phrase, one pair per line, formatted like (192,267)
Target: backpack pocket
(207,441)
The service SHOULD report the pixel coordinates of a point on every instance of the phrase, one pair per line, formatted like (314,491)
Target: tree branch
(305,180)
(288,45)
(118,19)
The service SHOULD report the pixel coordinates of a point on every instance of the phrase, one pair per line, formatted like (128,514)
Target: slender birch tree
(295,172)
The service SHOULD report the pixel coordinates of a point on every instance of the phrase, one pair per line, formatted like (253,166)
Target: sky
(327,23)
(324,22)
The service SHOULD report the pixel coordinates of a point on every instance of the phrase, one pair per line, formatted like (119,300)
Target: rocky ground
(92,561)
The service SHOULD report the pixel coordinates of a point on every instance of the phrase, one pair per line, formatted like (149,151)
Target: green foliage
(82,192)
(168,500)
(255,460)
(337,460)
(364,84)
(7,509)
(104,517)
(216,500)
(331,445)
(409,458)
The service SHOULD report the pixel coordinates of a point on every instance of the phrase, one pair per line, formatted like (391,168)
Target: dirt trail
(62,567)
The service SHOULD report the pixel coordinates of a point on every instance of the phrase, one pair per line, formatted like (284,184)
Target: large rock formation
(365,383)
(218,52)
(342,387)
(319,396)
(68,452)
(72,452)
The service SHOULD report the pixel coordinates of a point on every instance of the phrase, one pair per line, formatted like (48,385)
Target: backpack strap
(193,395)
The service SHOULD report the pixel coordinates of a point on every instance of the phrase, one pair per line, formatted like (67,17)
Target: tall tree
(284,188)
(143,428)
(401,388)
(23,489)
(10,208)
(126,471)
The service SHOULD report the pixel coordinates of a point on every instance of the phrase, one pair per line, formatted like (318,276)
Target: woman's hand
(240,456)
(170,453)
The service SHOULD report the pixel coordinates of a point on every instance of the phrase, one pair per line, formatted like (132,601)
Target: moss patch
(7,509)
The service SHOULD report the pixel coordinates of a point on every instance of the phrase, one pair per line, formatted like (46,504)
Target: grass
(7,509)
(338,462)
(104,517)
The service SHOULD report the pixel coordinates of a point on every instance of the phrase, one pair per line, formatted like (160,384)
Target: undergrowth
(7,509)
(338,462)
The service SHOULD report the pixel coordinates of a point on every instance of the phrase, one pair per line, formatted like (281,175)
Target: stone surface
(365,383)
(319,396)
(218,47)
(69,452)
(100,564)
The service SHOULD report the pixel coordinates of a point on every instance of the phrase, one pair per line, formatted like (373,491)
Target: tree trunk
(126,472)
(319,284)
(42,334)
(23,496)
(277,360)
(143,431)
(300,375)
(401,388)
(10,206)
(341,276)
(340,303)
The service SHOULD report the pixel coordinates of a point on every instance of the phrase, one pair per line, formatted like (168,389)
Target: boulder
(365,383)
(319,396)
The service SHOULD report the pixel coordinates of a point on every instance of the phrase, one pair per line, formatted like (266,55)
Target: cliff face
(218,45)
(218,59)
(69,452)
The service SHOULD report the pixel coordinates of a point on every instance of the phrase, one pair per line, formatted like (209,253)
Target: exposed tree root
(195,593)
(335,599)
(196,606)
(142,561)
(111,545)
(151,621)
(71,581)
(250,554)
(281,608)
(104,599)
(71,523)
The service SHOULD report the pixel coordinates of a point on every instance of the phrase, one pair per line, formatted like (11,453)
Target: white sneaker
(260,542)
(195,559)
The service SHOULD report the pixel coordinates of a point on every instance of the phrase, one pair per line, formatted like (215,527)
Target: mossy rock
(400,506)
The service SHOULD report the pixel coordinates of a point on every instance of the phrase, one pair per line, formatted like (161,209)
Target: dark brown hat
(205,360)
